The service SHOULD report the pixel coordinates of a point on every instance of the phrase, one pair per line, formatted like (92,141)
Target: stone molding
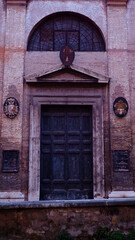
(97,78)
(121,194)
(17,2)
(109,2)
(11,197)
(116,3)
(83,203)
(64,98)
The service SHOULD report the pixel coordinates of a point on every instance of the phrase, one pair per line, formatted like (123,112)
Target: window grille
(66,29)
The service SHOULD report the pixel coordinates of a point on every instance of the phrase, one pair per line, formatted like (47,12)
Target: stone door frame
(34,145)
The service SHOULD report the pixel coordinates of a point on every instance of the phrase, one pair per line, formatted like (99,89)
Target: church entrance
(66,164)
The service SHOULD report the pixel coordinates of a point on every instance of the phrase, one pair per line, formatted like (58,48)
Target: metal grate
(66,29)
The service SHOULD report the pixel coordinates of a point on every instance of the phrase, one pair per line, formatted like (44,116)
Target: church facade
(67,72)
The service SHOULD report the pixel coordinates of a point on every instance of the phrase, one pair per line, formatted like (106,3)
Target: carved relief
(120,107)
(11,107)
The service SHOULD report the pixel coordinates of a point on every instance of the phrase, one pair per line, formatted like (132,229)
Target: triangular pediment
(66,75)
(60,74)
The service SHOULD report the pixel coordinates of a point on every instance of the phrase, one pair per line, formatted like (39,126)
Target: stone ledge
(11,197)
(17,2)
(117,2)
(122,194)
(68,204)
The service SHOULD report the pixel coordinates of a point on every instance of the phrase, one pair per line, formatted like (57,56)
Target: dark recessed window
(66,29)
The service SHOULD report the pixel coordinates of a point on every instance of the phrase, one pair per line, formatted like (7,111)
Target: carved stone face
(120,107)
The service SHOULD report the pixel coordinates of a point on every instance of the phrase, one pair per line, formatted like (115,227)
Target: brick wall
(81,220)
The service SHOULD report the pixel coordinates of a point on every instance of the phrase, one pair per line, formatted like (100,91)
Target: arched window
(64,29)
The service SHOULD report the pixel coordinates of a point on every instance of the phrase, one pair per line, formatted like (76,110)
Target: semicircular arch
(66,28)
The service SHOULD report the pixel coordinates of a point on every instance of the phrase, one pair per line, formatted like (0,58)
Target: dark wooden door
(66,152)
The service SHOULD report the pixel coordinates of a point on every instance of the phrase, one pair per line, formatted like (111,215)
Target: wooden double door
(66,152)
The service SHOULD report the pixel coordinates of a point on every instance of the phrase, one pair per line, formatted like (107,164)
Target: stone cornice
(17,2)
(117,3)
(109,2)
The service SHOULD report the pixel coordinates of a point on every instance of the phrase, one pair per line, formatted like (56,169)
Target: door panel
(66,152)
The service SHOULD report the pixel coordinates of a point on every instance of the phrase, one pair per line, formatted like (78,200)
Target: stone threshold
(68,203)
